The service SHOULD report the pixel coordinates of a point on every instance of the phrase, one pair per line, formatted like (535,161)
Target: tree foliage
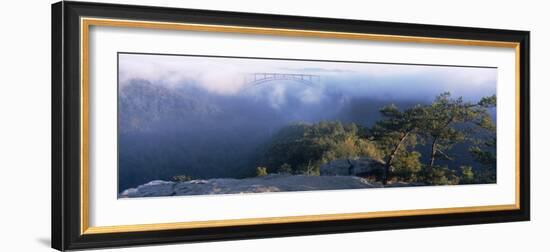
(285,169)
(414,144)
(467,176)
(181,178)
(407,166)
(302,148)
(395,134)
(261,171)
(485,154)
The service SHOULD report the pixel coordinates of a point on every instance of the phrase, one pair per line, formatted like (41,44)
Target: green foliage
(440,175)
(309,170)
(488,102)
(396,133)
(449,121)
(407,165)
(467,176)
(285,169)
(305,147)
(181,178)
(393,141)
(261,171)
(485,154)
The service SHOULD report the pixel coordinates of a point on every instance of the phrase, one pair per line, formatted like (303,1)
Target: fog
(203,116)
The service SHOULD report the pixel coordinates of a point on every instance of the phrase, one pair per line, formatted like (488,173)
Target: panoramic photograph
(203,125)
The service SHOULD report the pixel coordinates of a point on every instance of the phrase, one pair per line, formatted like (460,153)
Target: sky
(229,76)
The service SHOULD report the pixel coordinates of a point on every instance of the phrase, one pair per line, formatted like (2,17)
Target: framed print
(180,125)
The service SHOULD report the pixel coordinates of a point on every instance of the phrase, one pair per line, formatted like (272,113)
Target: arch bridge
(256,79)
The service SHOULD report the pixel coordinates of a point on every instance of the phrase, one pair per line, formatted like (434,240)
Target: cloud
(228,76)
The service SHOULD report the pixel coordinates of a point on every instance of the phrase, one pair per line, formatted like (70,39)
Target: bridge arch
(256,79)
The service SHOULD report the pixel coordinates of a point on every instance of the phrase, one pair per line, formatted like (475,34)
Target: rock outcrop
(270,183)
(350,167)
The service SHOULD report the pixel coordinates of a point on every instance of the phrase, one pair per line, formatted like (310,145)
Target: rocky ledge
(270,183)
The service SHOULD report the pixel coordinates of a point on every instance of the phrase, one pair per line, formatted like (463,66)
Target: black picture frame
(66,126)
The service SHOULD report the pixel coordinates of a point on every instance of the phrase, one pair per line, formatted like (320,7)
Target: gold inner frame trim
(85,24)
(289,219)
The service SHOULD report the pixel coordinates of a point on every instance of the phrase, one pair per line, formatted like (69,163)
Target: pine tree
(450,121)
(397,131)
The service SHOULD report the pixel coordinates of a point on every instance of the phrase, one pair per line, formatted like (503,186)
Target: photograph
(180,123)
(211,124)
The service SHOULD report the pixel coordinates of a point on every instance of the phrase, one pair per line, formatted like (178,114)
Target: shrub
(261,171)
(285,169)
(467,176)
(438,175)
(181,178)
